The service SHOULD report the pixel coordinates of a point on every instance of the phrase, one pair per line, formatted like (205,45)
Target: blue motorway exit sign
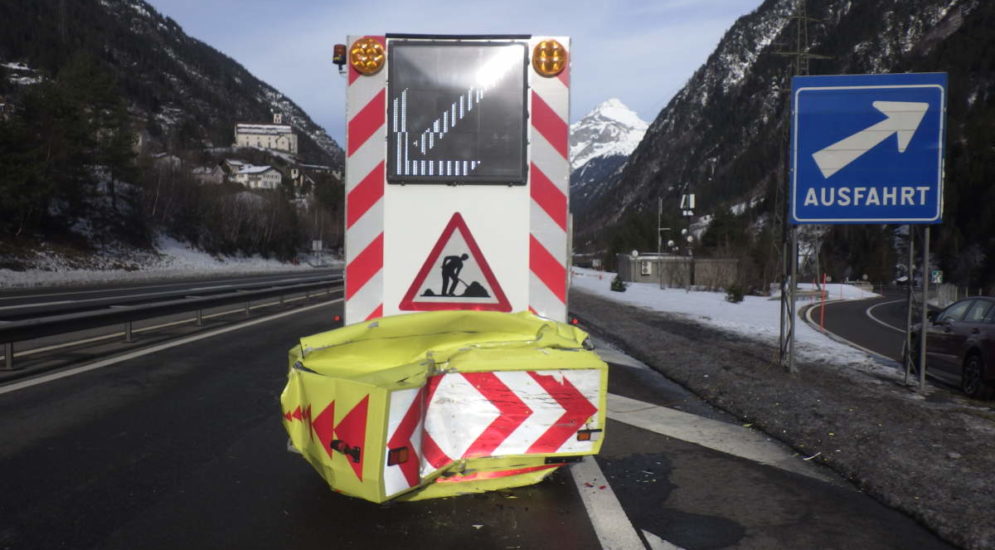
(867,148)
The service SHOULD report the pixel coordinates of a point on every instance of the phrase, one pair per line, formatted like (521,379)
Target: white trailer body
(457,178)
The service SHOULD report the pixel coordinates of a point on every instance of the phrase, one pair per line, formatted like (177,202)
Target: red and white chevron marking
(549,180)
(364,185)
(404,429)
(483,414)
(351,429)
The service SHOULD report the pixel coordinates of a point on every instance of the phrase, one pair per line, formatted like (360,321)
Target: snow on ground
(174,260)
(756,317)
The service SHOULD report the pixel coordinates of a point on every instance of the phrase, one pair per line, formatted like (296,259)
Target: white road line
(713,434)
(610,354)
(154,349)
(879,321)
(612,526)
(656,543)
(838,338)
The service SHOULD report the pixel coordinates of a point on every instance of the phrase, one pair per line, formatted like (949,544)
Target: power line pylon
(787,246)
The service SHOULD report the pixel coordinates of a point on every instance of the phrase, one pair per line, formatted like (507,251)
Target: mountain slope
(724,134)
(600,143)
(187,94)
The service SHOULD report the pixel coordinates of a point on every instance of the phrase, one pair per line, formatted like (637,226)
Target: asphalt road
(877,324)
(184,448)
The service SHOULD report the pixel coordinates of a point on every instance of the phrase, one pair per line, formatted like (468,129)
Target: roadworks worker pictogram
(455,275)
(444,403)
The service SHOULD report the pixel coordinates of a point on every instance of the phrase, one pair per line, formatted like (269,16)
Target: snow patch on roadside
(756,317)
(173,260)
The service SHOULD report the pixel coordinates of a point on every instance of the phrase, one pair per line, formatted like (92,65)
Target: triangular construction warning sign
(455,276)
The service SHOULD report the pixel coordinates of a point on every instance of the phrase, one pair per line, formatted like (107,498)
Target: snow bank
(755,317)
(174,260)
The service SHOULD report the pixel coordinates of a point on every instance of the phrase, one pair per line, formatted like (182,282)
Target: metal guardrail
(113,301)
(40,327)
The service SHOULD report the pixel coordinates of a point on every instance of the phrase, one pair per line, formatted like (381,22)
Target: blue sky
(641,52)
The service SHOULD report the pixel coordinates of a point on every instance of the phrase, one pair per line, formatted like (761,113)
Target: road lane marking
(879,321)
(656,543)
(840,339)
(610,523)
(615,356)
(154,349)
(720,436)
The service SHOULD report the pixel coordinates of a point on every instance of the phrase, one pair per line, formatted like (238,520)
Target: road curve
(876,324)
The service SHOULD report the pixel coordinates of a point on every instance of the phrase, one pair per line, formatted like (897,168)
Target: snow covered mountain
(600,144)
(610,129)
(724,133)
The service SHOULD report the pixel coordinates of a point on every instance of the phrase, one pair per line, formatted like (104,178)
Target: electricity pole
(788,250)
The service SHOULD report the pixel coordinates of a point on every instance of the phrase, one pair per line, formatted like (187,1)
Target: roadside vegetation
(75,180)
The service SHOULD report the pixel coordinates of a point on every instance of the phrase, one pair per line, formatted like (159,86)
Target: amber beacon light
(549,58)
(367,56)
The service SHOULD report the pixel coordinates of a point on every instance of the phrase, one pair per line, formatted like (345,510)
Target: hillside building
(6,109)
(672,271)
(209,174)
(276,136)
(257,177)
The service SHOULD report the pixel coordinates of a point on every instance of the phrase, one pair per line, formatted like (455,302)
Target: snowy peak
(614,109)
(611,129)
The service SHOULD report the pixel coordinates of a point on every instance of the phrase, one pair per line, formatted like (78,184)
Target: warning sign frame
(524,229)
(456,223)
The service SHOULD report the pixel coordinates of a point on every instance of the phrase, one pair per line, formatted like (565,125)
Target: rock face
(186,94)
(600,143)
(725,132)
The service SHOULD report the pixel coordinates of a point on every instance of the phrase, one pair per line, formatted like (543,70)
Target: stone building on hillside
(275,136)
(258,177)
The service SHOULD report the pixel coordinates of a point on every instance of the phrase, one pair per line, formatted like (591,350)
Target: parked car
(960,346)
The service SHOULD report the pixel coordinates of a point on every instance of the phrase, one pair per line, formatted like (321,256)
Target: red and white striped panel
(404,429)
(366,153)
(484,414)
(549,181)
(508,413)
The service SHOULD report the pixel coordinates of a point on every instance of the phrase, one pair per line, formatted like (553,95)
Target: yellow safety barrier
(444,403)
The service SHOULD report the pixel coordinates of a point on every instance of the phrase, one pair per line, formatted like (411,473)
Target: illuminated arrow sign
(903,118)
(867,148)
(456,112)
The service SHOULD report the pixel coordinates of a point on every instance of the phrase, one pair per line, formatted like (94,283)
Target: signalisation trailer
(456,371)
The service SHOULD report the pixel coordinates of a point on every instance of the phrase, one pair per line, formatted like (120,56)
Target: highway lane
(56,351)
(183,448)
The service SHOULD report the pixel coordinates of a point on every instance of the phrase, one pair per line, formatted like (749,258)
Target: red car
(960,346)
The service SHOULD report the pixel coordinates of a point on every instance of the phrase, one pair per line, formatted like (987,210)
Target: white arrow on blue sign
(868,148)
